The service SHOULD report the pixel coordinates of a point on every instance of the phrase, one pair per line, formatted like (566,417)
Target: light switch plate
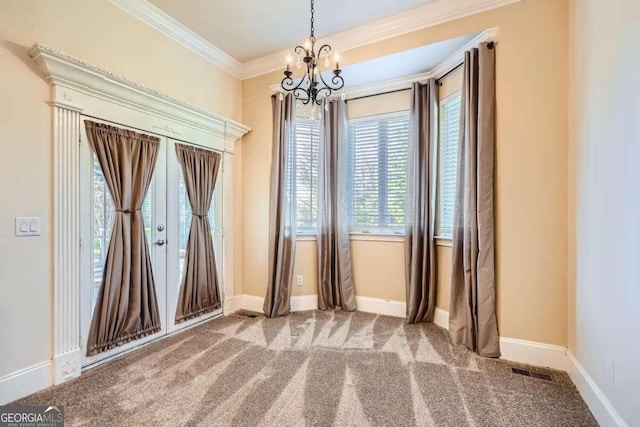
(28,226)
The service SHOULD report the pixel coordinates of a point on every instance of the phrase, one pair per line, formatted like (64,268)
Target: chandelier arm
(305,100)
(288,84)
(336,80)
(319,99)
(326,48)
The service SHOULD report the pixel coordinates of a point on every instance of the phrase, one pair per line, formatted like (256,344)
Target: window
(448,163)
(307,142)
(103,215)
(377,173)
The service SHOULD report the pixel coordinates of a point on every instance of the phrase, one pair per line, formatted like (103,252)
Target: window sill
(306,237)
(370,237)
(373,237)
(444,241)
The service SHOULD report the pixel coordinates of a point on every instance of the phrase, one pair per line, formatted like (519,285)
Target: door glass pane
(103,213)
(184,214)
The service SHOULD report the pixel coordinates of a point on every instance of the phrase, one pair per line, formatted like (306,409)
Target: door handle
(160,242)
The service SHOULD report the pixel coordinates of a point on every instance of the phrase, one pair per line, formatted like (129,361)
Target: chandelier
(312,86)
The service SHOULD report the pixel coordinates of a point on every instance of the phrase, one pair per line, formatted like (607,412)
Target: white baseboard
(304,302)
(600,406)
(254,303)
(230,305)
(67,366)
(381,306)
(516,350)
(534,353)
(25,382)
(441,318)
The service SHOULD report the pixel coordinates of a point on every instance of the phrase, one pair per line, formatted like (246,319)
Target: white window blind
(448,163)
(307,141)
(378,169)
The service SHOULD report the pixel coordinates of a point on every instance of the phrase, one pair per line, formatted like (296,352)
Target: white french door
(167,217)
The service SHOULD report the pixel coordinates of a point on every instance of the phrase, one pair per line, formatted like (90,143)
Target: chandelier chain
(312,19)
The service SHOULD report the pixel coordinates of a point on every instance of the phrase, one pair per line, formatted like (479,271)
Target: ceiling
(249,29)
(411,62)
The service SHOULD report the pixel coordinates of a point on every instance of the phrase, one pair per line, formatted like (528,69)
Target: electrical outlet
(609,368)
(299,281)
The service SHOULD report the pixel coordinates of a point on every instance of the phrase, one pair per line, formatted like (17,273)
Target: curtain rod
(490,45)
(378,94)
(451,71)
(438,81)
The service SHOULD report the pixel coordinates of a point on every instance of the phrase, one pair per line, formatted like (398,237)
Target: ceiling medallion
(312,88)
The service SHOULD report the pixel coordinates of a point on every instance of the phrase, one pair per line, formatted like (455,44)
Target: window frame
(306,232)
(375,233)
(443,239)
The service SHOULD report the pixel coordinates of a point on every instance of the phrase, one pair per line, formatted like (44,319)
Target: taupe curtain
(472,313)
(126,308)
(420,257)
(282,208)
(199,286)
(335,275)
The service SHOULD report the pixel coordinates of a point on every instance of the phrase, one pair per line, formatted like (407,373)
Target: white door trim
(79,87)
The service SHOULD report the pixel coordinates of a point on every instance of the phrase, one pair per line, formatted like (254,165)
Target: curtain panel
(127,306)
(472,313)
(282,208)
(335,275)
(199,286)
(420,259)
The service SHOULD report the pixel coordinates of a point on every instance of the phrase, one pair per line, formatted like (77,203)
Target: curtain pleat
(127,306)
(282,208)
(472,312)
(335,273)
(420,260)
(199,286)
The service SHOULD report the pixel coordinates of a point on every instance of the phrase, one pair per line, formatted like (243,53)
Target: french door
(167,217)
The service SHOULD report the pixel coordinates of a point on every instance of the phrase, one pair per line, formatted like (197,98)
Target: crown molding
(429,15)
(401,83)
(159,20)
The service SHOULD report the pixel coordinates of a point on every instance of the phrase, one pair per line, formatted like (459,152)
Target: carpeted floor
(317,369)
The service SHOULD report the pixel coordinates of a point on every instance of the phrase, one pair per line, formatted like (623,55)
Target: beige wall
(102,34)
(531,178)
(604,233)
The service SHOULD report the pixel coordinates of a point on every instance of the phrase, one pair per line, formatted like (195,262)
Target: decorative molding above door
(72,73)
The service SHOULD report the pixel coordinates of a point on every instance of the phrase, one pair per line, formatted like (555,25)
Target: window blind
(378,169)
(448,163)
(307,141)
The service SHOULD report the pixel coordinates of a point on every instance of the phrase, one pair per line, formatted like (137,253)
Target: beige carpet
(316,369)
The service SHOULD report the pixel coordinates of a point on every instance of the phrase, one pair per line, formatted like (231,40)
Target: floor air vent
(533,374)
(249,314)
